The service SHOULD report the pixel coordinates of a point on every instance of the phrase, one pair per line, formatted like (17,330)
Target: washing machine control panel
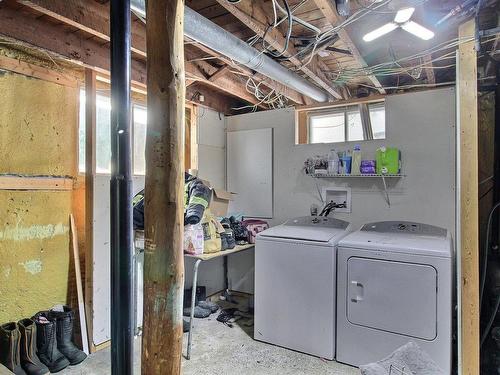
(318,221)
(404,227)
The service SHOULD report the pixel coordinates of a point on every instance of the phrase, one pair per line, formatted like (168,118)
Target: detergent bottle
(356,160)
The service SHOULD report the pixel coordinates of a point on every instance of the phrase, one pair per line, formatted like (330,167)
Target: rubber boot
(46,343)
(29,360)
(10,342)
(64,321)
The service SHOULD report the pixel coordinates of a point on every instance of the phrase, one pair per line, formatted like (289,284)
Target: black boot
(29,360)
(64,320)
(10,342)
(46,343)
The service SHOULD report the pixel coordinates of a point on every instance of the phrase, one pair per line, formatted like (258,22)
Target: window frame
(304,114)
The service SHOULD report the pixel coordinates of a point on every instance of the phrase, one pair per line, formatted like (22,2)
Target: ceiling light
(418,30)
(402,19)
(403,15)
(377,33)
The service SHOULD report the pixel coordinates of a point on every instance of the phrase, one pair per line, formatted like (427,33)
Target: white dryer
(394,286)
(295,266)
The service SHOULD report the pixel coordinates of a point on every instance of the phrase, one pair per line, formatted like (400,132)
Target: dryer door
(392,296)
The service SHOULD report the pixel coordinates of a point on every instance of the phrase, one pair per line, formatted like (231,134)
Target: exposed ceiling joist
(254,17)
(45,36)
(327,7)
(73,17)
(93,18)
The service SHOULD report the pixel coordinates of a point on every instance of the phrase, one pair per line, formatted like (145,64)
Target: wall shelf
(320,175)
(381,176)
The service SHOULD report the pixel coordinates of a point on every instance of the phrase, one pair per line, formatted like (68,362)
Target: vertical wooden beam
(164,205)
(90,167)
(468,185)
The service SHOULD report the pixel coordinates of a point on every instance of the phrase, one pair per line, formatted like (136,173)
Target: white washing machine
(394,286)
(295,266)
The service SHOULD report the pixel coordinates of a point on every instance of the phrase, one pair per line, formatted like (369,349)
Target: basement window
(351,123)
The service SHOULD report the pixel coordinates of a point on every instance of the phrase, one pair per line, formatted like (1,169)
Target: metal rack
(382,176)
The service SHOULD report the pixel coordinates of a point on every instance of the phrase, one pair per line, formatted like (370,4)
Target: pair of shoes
(202,310)
(18,348)
(55,339)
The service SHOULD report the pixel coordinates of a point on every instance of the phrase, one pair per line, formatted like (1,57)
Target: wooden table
(202,258)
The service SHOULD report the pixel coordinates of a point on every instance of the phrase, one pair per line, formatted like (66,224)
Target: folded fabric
(408,359)
(199,312)
(208,305)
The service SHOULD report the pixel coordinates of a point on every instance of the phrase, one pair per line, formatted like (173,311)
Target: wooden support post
(164,203)
(468,212)
(90,168)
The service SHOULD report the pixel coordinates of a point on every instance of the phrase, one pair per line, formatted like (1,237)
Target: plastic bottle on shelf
(356,160)
(333,162)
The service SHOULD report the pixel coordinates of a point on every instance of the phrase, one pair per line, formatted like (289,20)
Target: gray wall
(421,124)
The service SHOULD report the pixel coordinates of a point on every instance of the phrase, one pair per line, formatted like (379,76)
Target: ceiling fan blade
(404,15)
(418,30)
(377,33)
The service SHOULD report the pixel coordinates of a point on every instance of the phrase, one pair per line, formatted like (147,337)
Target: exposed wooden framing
(254,16)
(88,16)
(276,86)
(219,73)
(19,27)
(213,99)
(8,182)
(41,35)
(36,71)
(429,69)
(93,18)
(468,244)
(90,171)
(328,9)
(164,192)
(194,137)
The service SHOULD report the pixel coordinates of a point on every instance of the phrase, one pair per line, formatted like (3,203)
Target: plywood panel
(37,126)
(34,252)
(250,171)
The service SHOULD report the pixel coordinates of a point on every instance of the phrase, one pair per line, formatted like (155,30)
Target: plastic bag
(193,239)
(211,233)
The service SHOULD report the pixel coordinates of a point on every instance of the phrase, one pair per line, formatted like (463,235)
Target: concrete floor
(220,350)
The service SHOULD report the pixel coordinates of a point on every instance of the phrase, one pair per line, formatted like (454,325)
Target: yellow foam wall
(38,136)
(38,126)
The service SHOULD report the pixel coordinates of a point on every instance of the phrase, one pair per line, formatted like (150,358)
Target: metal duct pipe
(215,37)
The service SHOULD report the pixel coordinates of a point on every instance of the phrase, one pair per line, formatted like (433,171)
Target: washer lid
(308,228)
(402,237)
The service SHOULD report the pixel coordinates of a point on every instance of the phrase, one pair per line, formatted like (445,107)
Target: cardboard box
(220,201)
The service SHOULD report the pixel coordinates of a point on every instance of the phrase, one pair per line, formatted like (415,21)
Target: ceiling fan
(402,19)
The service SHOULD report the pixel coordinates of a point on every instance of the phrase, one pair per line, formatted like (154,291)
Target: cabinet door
(392,296)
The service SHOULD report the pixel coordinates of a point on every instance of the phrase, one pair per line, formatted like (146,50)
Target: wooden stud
(164,192)
(79,286)
(90,170)
(468,213)
(8,182)
(36,71)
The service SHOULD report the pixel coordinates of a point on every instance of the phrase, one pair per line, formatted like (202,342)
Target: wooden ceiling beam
(328,9)
(429,69)
(252,15)
(88,16)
